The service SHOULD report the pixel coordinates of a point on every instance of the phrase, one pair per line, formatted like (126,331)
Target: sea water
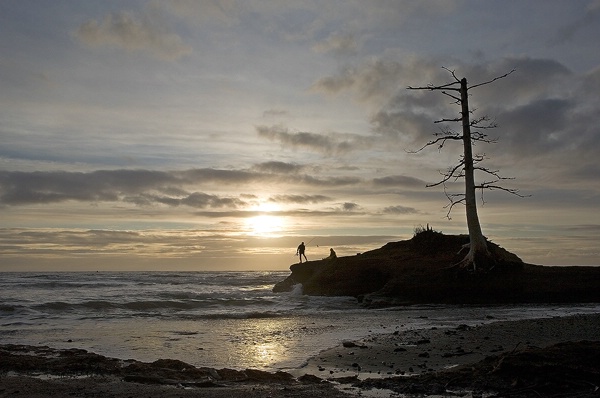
(213,319)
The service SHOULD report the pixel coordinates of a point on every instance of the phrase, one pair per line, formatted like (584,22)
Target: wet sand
(416,352)
(24,371)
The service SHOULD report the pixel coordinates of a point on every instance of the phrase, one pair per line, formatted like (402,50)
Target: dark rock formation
(25,359)
(420,270)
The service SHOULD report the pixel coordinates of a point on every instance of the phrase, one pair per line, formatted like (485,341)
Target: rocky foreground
(553,357)
(420,270)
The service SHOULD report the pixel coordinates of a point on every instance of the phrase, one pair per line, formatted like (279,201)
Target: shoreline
(420,351)
(398,354)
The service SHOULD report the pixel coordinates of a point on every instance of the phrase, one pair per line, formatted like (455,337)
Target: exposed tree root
(481,260)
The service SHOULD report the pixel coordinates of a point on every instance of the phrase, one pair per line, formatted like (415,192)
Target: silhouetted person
(332,255)
(300,252)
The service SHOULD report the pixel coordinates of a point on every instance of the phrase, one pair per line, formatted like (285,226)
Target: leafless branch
(491,81)
(480,137)
(440,140)
(478,122)
(448,86)
(452,173)
(454,97)
(453,200)
(458,119)
(452,72)
(491,187)
(431,87)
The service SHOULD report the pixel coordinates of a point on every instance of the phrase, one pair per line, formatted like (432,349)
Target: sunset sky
(219,134)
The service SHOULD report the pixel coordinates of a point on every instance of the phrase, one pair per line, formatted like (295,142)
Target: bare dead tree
(472,131)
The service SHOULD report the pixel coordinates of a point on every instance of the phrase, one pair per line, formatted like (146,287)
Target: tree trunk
(478,251)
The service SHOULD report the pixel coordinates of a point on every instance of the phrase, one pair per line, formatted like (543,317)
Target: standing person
(300,252)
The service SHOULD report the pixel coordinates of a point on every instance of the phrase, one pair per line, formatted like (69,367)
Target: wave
(150,305)
(8,308)
(239,315)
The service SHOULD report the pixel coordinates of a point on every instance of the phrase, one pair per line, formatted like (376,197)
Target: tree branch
(453,97)
(441,140)
(452,198)
(431,87)
(491,81)
(449,174)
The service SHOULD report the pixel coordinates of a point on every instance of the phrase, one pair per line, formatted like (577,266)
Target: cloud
(278,167)
(133,186)
(338,43)
(350,207)
(537,127)
(316,142)
(346,209)
(399,181)
(327,144)
(367,81)
(126,31)
(275,113)
(567,32)
(147,187)
(542,109)
(58,186)
(195,200)
(400,210)
(223,11)
(299,199)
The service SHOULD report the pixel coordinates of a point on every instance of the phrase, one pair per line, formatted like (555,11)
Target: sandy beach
(26,371)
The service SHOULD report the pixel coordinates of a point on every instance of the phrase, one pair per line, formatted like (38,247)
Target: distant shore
(42,372)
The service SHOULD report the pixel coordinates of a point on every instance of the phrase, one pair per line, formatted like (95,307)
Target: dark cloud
(278,167)
(221,176)
(368,81)
(328,182)
(146,187)
(537,126)
(400,210)
(567,32)
(399,181)
(533,79)
(349,206)
(198,200)
(542,109)
(299,199)
(328,144)
(400,124)
(345,210)
(59,186)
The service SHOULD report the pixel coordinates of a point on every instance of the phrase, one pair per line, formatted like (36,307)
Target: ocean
(214,319)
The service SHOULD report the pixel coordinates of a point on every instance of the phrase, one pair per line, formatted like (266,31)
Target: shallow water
(214,319)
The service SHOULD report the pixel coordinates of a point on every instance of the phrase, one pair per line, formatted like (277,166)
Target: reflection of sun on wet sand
(512,357)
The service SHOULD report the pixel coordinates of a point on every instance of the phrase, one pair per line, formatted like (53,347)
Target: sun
(266,223)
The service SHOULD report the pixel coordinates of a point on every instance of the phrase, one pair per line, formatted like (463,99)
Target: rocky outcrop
(420,270)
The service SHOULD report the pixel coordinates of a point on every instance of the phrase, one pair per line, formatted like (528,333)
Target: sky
(219,134)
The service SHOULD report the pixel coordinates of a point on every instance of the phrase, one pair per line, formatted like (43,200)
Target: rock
(419,271)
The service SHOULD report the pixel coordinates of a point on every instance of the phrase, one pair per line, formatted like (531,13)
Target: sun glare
(267,223)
